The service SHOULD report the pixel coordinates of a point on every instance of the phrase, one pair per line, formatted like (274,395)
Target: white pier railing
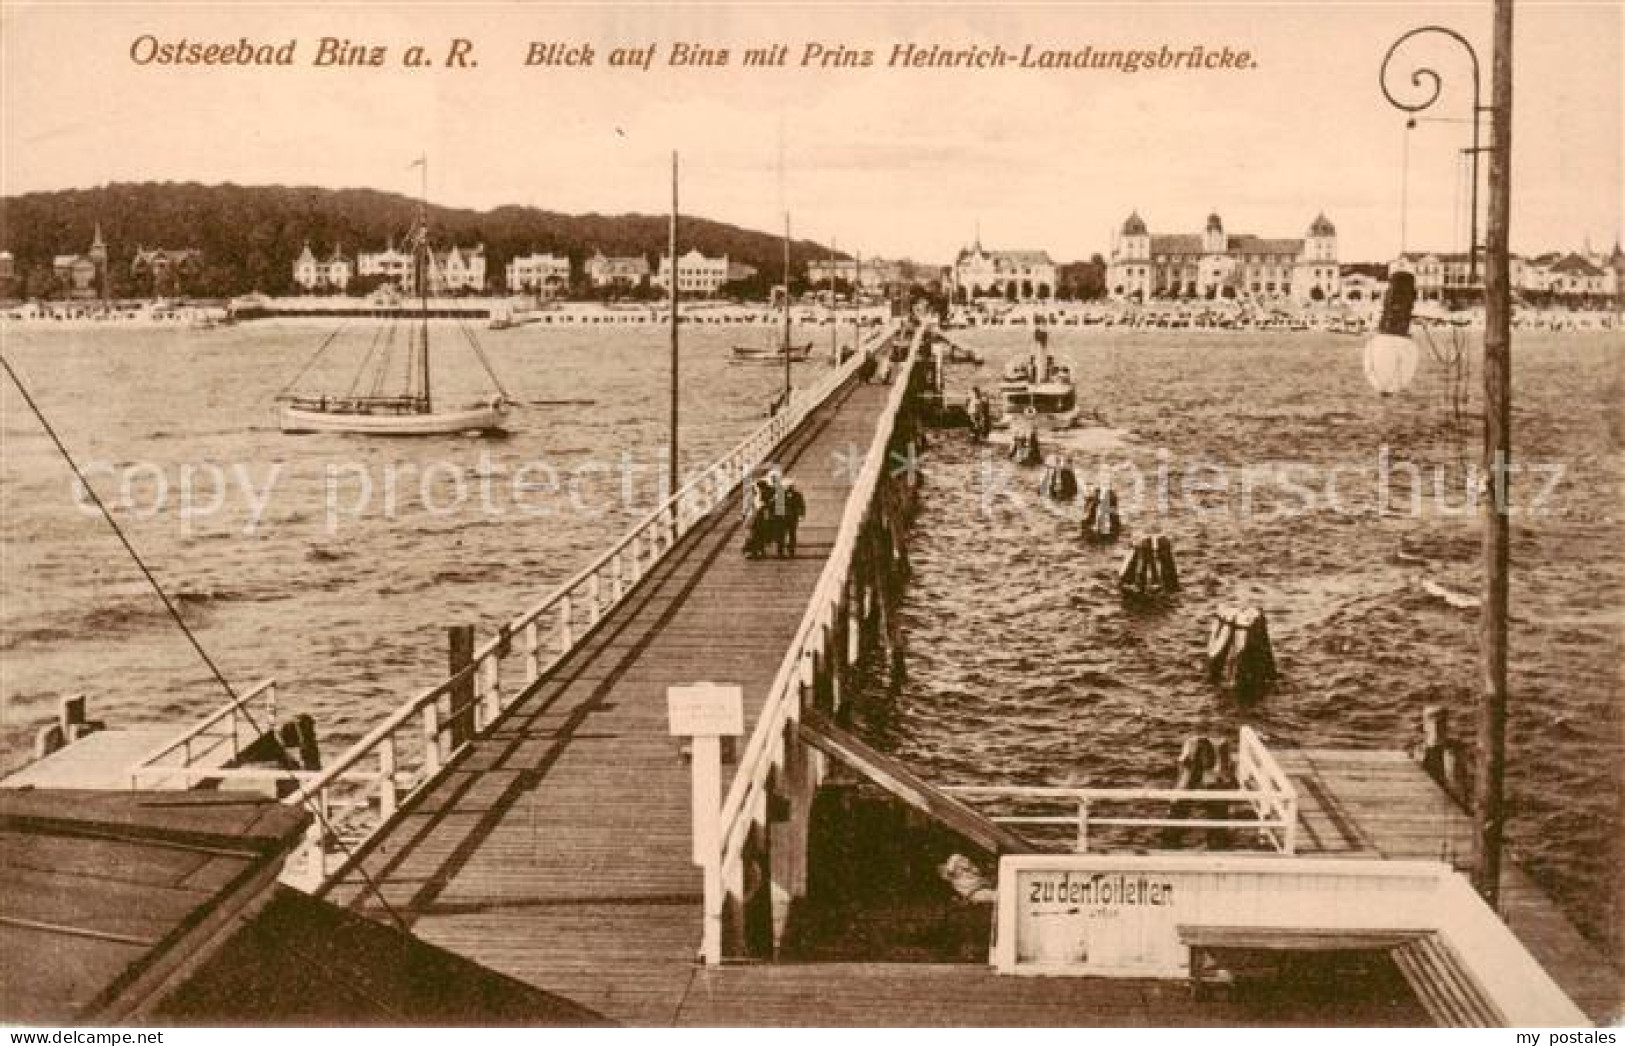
(213,742)
(809,658)
(1262,787)
(363,787)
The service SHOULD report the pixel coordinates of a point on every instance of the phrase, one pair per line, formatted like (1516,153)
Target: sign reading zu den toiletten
(1091,921)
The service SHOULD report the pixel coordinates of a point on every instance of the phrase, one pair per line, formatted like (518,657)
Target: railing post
(316,842)
(595,590)
(1083,826)
(493,687)
(533,660)
(387,795)
(431,739)
(617,585)
(567,638)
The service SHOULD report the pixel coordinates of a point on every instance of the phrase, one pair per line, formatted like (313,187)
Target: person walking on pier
(762,518)
(792,507)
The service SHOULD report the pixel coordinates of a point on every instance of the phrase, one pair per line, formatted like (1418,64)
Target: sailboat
(377,410)
(785,349)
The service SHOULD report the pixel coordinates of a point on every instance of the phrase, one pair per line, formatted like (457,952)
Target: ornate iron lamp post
(1429,84)
(1488,812)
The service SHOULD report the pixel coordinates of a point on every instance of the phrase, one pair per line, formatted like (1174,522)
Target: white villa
(455,269)
(696,274)
(546,275)
(315,274)
(1024,275)
(626,273)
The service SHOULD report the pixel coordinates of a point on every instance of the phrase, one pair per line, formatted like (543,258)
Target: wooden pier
(557,848)
(533,812)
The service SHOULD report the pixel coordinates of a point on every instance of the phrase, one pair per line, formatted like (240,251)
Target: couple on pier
(774,513)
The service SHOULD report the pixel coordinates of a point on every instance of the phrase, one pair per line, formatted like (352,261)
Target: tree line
(250,236)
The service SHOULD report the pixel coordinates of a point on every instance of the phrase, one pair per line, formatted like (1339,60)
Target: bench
(1444,986)
(1241,942)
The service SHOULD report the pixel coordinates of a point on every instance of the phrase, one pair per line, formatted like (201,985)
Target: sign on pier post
(705,713)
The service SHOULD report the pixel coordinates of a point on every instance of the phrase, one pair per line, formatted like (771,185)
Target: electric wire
(282,757)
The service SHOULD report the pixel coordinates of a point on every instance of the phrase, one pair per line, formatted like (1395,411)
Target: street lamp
(1427,80)
(1488,811)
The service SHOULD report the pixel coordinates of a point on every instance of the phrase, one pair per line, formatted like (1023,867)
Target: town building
(544,275)
(696,274)
(452,270)
(875,273)
(389,266)
(1024,275)
(1217,264)
(458,269)
(164,271)
(1571,276)
(83,275)
(1441,274)
(619,273)
(316,275)
(1362,287)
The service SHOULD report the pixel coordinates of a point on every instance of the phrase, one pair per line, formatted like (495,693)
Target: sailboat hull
(751,354)
(487,418)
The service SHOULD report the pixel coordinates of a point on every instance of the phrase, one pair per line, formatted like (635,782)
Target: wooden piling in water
(459,655)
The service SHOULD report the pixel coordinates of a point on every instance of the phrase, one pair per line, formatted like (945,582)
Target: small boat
(1037,390)
(798,353)
(410,411)
(402,416)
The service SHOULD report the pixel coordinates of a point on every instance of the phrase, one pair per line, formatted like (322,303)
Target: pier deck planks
(557,849)
(1397,812)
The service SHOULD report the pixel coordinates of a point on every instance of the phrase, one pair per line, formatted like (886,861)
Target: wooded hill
(250,235)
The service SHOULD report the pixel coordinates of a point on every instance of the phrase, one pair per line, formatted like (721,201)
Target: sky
(889,161)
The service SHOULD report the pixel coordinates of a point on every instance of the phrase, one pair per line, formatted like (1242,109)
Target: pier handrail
(747,800)
(241,713)
(575,607)
(1261,784)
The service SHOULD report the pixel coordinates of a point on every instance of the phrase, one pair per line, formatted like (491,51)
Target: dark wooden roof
(302,961)
(107,894)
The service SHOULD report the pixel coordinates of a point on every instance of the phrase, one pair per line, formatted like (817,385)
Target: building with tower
(83,276)
(1215,264)
(318,274)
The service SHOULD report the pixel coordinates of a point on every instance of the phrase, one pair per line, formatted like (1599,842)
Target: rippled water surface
(1024,665)
(348,618)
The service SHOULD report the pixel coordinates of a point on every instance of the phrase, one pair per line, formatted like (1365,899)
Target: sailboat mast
(786,308)
(673,469)
(857,302)
(421,262)
(834,315)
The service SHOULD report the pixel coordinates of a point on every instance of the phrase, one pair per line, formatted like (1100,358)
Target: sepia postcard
(827,514)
